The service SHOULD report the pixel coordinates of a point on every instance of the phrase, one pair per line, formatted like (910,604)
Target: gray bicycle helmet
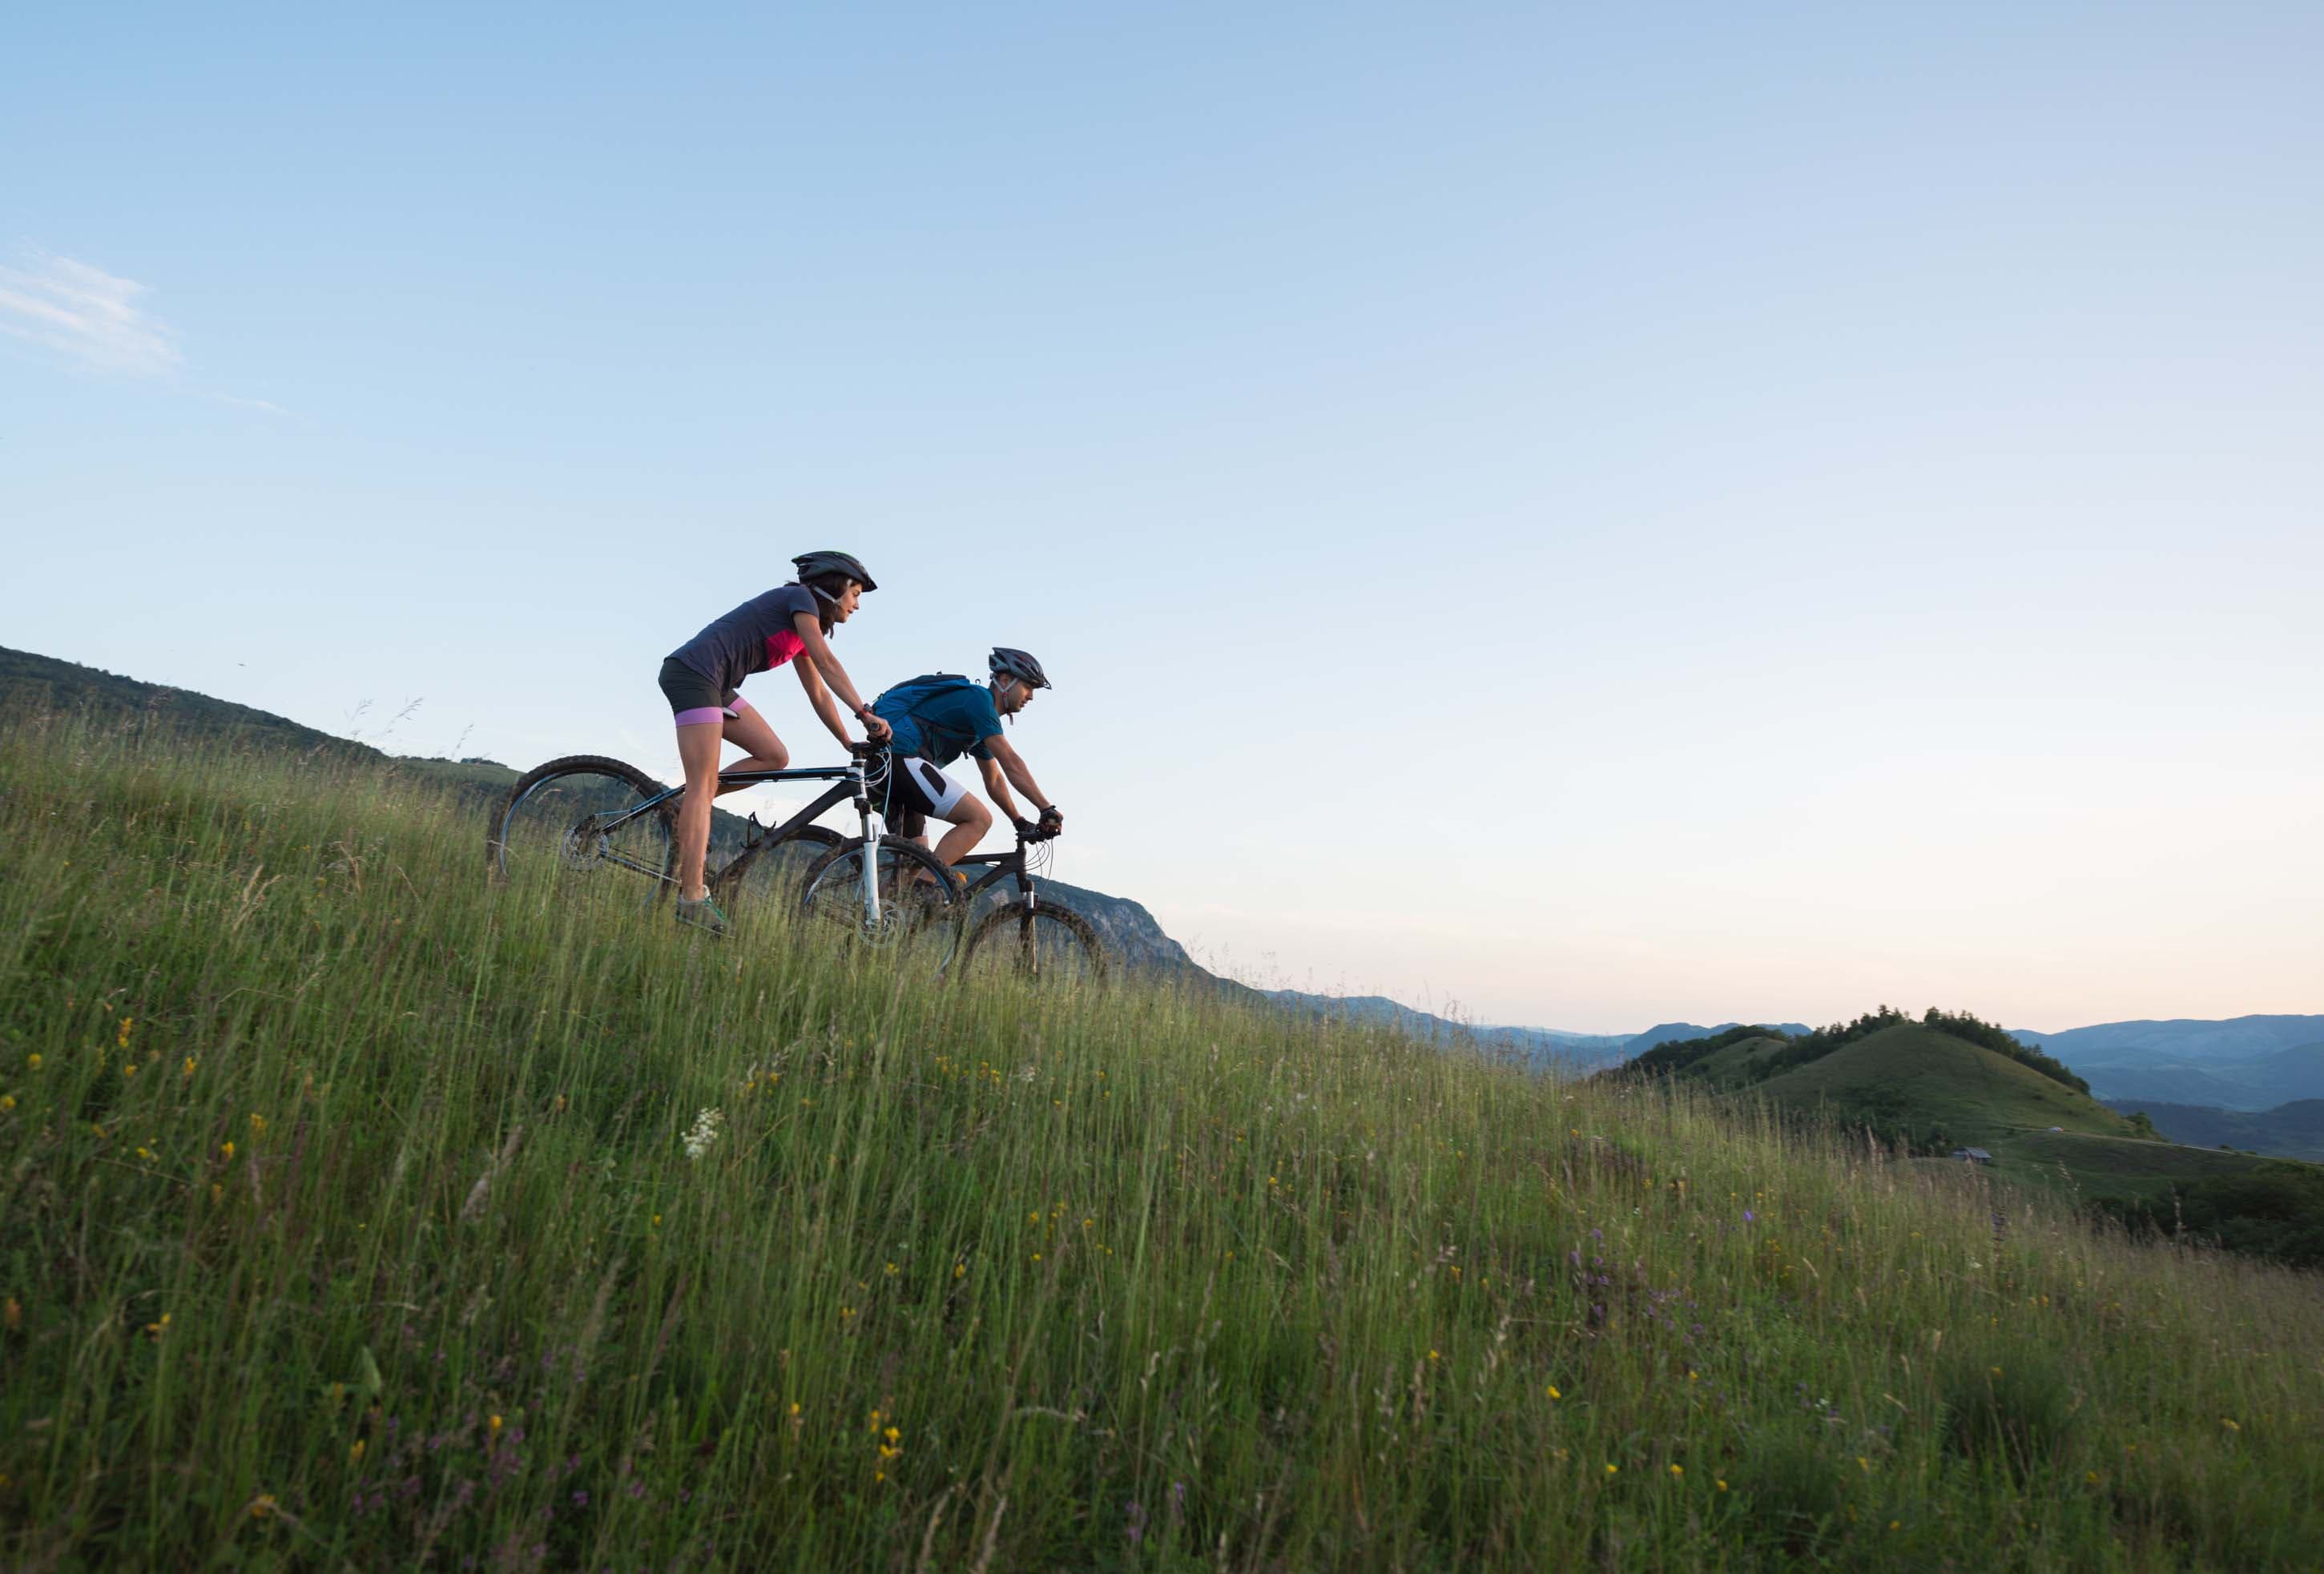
(1019,664)
(810,564)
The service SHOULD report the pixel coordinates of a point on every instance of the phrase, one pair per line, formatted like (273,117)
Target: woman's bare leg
(698,748)
(749,730)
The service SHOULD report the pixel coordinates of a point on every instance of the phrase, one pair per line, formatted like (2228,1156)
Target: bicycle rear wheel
(920,916)
(1045,944)
(578,827)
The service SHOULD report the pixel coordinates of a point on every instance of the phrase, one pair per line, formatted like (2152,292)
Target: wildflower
(261,1505)
(130,1069)
(1895,1524)
(1431,1355)
(2230,1425)
(191,1063)
(1613,1469)
(227,1148)
(1553,1392)
(1677,1470)
(794,1407)
(355,1451)
(493,1426)
(257,1125)
(146,1154)
(7,1100)
(1863,1464)
(2091,1477)
(960,1270)
(1720,1484)
(122,1040)
(698,1141)
(33,1062)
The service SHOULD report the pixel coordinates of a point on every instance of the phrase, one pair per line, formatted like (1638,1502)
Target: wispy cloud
(85,314)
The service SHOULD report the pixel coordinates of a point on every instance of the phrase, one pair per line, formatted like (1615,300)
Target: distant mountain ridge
(2180,1039)
(2292,1131)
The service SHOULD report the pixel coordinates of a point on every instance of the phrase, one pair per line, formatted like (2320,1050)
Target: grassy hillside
(351,1219)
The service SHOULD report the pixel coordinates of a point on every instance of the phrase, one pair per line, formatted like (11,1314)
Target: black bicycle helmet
(1003,661)
(810,564)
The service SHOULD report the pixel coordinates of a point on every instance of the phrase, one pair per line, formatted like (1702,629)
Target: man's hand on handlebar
(876,728)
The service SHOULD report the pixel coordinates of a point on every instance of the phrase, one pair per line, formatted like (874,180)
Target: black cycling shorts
(694,698)
(915,790)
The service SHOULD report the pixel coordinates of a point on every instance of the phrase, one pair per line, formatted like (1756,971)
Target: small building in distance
(1976,1155)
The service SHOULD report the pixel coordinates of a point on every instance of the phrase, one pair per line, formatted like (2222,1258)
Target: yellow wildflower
(261,1505)
(1553,1392)
(191,1063)
(1720,1484)
(130,1069)
(7,1100)
(121,1041)
(1613,1469)
(257,1124)
(1431,1355)
(1677,1470)
(495,1426)
(33,1061)
(227,1148)
(355,1451)
(2230,1425)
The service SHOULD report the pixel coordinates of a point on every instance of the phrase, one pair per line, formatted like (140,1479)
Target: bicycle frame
(1000,864)
(849,782)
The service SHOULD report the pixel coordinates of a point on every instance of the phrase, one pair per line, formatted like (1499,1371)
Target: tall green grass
(347,1219)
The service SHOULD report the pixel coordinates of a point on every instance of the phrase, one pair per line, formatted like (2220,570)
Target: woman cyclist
(700,677)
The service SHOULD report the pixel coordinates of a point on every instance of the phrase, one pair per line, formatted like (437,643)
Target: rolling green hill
(1932,1079)
(1927,1087)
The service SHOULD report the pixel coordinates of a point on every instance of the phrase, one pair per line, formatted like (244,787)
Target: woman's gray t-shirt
(755,636)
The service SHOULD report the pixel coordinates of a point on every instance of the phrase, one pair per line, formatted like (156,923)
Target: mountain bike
(1026,936)
(602,832)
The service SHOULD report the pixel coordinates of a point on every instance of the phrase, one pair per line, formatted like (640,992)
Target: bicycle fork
(870,853)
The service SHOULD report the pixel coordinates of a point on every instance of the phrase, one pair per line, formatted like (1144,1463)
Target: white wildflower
(705,1133)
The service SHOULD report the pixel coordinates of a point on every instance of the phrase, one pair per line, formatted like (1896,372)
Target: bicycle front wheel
(587,828)
(762,895)
(919,914)
(1046,944)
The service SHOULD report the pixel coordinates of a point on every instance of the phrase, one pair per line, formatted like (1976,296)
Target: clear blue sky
(1588,515)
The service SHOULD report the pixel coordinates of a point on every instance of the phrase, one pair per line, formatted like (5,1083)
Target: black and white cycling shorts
(917,790)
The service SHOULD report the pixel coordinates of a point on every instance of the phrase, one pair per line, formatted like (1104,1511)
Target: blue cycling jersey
(939,718)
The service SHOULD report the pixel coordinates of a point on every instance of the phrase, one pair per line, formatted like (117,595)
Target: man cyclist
(938,718)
